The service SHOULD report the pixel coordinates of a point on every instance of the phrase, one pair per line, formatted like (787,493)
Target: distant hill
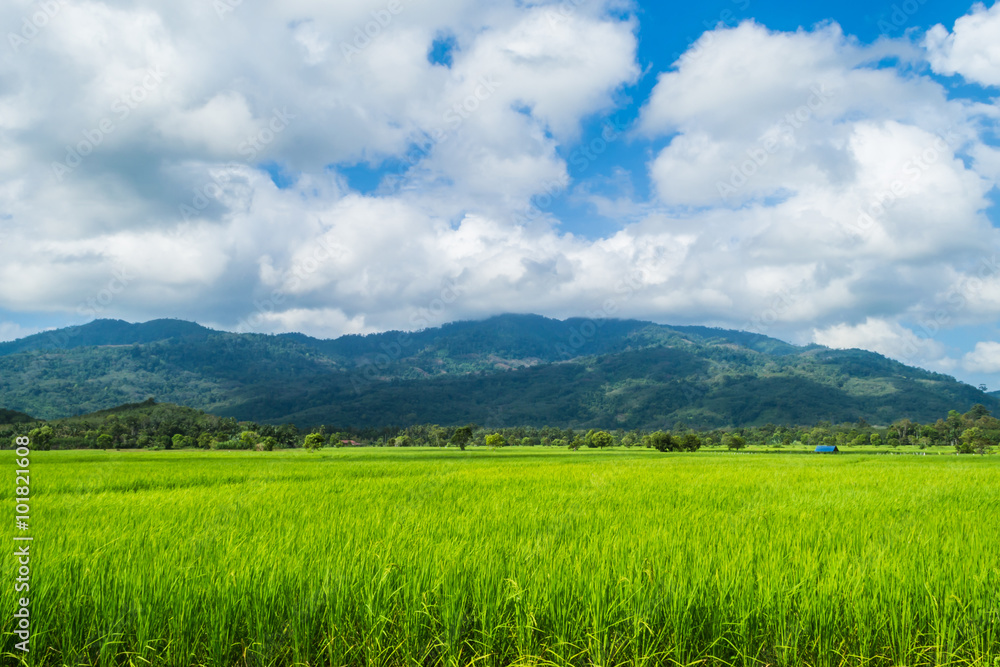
(107,332)
(14,417)
(507,370)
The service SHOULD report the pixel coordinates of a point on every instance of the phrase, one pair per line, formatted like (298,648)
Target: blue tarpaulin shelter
(827,449)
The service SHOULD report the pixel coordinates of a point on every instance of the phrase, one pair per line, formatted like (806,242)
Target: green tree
(602,439)
(287,435)
(953,427)
(691,443)
(974,439)
(461,437)
(631,438)
(227,428)
(661,441)
(495,440)
(313,441)
(735,441)
(104,441)
(249,439)
(41,438)
(976,412)
(904,428)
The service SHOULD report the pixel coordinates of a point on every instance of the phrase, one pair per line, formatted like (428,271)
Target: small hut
(827,449)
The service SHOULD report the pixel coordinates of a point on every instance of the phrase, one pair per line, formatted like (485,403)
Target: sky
(818,172)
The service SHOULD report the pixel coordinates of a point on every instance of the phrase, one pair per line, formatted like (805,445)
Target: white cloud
(984,359)
(885,337)
(821,184)
(217,128)
(762,114)
(972,49)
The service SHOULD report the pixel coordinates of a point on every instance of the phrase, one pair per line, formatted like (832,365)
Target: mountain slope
(107,332)
(14,417)
(512,369)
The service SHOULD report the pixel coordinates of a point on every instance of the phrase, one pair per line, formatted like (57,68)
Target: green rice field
(519,556)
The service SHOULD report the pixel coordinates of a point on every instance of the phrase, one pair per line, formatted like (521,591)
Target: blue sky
(818,172)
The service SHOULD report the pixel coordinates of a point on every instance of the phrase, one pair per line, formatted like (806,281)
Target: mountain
(107,332)
(507,370)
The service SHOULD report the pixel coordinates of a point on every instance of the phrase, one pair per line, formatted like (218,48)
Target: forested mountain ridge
(107,332)
(510,369)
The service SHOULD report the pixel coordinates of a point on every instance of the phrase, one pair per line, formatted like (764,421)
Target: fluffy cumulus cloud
(191,159)
(148,173)
(971,49)
(885,337)
(985,358)
(853,186)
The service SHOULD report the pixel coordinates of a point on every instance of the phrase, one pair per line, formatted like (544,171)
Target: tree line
(151,425)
